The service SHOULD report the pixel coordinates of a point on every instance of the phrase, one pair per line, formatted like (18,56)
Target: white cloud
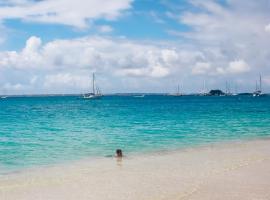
(32,45)
(13,87)
(159,71)
(215,24)
(67,12)
(232,36)
(224,42)
(67,64)
(63,80)
(105,29)
(132,72)
(33,80)
(220,70)
(234,67)
(238,66)
(201,68)
(267,28)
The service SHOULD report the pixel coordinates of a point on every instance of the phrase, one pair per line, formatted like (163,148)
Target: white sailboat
(258,90)
(177,94)
(139,96)
(235,90)
(204,91)
(228,89)
(96,94)
(3,96)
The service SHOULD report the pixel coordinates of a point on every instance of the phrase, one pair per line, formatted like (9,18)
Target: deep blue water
(37,131)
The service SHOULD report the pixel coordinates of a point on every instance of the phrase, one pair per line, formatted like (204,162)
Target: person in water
(118,153)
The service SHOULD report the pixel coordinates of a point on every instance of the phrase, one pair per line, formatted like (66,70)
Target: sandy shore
(239,170)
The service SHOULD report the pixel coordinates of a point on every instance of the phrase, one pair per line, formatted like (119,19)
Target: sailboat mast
(204,87)
(260,83)
(256,86)
(178,89)
(235,89)
(93,82)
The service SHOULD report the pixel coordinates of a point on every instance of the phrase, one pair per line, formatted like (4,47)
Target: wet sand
(238,170)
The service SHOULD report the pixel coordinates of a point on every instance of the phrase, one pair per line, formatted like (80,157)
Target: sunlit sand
(239,170)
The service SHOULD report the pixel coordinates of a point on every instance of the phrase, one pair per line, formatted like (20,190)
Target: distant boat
(96,94)
(258,90)
(228,89)
(235,90)
(177,94)
(3,97)
(204,91)
(140,96)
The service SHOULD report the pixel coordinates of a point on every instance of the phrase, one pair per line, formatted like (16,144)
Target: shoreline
(230,170)
(134,155)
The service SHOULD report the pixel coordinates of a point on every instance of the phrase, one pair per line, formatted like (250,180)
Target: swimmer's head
(119,153)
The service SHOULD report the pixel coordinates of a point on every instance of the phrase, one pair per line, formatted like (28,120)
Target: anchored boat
(96,94)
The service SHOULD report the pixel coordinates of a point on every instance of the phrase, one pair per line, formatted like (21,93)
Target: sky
(54,46)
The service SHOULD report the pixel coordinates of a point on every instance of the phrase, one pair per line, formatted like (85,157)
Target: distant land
(131,94)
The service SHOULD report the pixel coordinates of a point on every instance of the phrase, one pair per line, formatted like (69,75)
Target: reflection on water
(119,161)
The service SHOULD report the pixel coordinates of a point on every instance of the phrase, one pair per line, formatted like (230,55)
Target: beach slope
(238,170)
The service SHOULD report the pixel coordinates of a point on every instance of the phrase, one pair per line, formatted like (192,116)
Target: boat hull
(92,97)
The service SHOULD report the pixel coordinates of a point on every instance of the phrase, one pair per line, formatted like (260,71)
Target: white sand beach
(239,170)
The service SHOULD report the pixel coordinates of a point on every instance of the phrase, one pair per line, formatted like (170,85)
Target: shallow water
(37,131)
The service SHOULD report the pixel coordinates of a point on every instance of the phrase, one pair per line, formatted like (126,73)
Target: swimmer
(118,153)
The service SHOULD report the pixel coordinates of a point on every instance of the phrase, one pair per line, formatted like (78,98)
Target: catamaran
(96,94)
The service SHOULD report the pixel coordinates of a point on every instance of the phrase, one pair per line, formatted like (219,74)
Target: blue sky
(52,46)
(147,19)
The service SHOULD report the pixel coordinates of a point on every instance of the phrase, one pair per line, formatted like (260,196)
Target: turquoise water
(36,131)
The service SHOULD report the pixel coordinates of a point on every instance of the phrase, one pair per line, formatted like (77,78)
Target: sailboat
(3,96)
(258,90)
(204,91)
(177,94)
(96,94)
(227,89)
(139,96)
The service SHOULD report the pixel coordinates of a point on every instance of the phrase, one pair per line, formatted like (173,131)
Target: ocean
(41,131)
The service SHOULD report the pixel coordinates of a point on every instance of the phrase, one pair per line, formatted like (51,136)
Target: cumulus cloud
(69,63)
(66,65)
(233,36)
(223,42)
(238,66)
(64,80)
(105,29)
(67,12)
(234,67)
(215,22)
(201,68)
(13,87)
(32,45)
(97,53)
(267,28)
